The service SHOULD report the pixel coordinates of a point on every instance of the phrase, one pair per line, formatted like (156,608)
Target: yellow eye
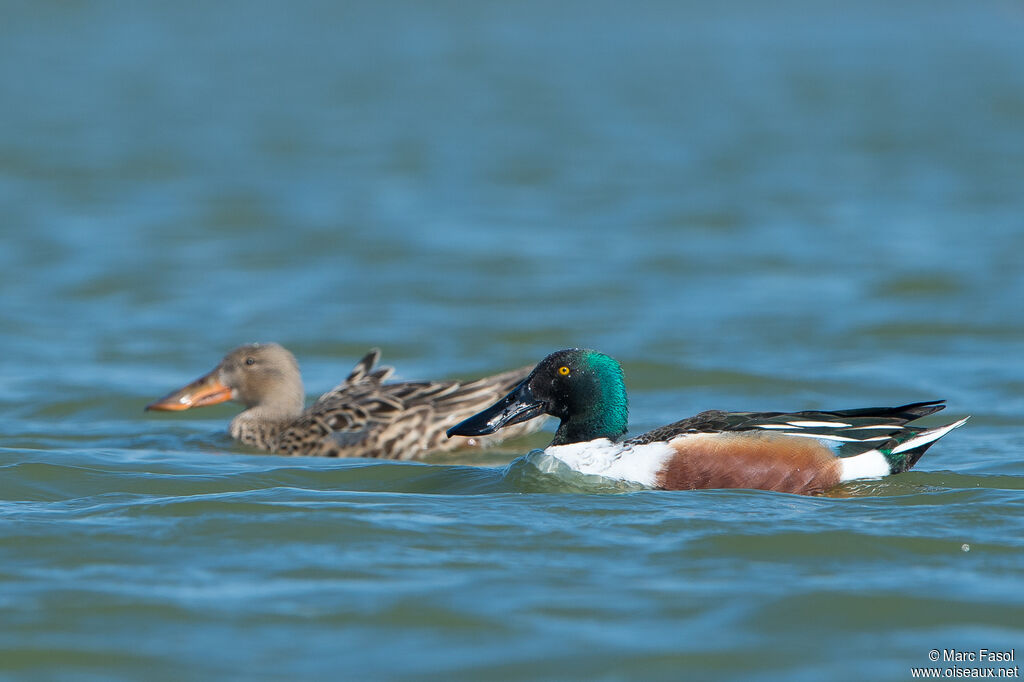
(563,370)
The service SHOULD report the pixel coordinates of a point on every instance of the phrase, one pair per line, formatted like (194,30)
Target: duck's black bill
(518,406)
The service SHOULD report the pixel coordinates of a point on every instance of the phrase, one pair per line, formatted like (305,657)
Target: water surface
(798,207)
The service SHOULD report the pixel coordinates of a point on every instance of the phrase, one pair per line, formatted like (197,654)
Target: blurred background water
(786,206)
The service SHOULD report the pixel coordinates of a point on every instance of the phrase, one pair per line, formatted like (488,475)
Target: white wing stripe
(842,439)
(821,425)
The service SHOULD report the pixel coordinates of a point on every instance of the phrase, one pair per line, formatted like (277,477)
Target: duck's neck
(602,414)
(260,425)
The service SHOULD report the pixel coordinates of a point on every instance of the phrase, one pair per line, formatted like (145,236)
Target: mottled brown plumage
(362,417)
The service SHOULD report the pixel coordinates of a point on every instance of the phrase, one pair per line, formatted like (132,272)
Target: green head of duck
(583,388)
(587,391)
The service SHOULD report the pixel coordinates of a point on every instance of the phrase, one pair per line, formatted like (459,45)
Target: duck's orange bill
(206,390)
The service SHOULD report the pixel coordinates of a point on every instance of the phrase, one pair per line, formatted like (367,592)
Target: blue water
(778,207)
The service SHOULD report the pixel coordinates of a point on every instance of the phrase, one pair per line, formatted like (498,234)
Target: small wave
(538,472)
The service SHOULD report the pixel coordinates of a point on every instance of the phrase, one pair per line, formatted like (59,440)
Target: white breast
(602,457)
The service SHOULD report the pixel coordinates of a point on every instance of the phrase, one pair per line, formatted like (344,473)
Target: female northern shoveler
(361,417)
(798,452)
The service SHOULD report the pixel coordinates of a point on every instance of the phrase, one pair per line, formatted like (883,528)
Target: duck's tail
(903,451)
(898,454)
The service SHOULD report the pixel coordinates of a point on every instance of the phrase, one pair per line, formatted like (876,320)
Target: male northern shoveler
(797,452)
(361,417)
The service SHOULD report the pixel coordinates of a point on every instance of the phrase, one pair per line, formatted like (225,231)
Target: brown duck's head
(259,374)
